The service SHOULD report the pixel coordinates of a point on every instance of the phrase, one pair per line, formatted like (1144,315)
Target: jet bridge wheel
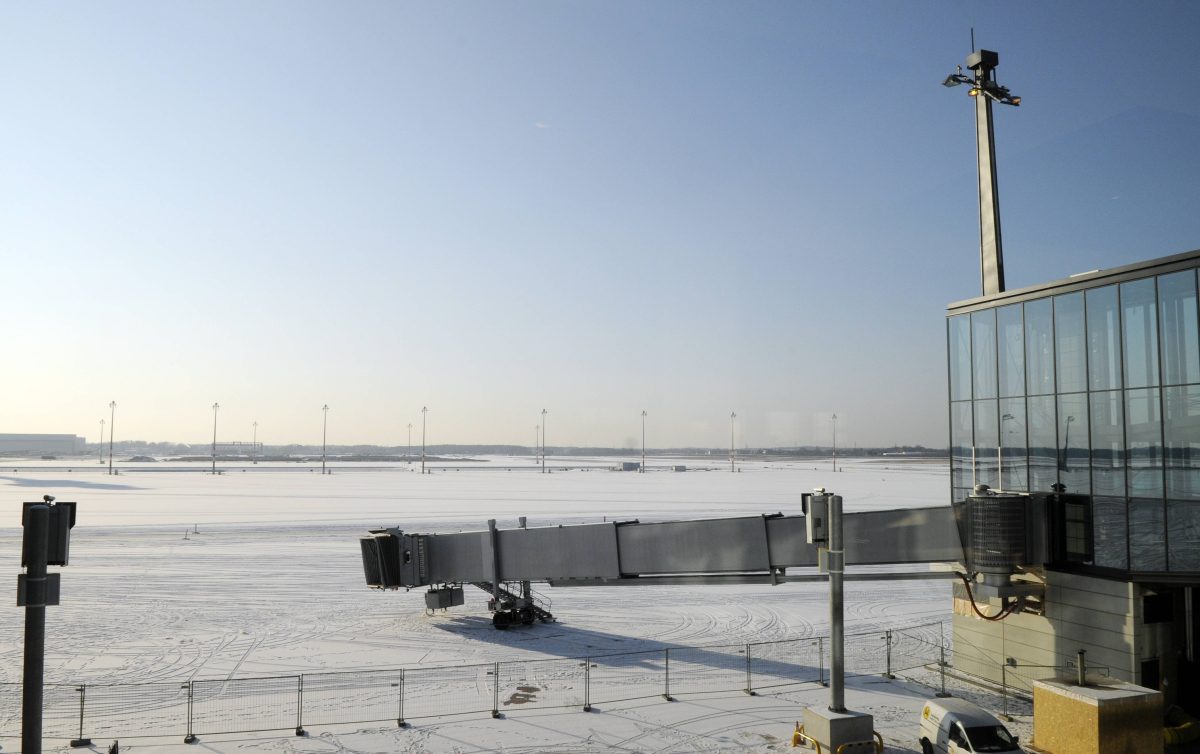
(526,616)
(502,619)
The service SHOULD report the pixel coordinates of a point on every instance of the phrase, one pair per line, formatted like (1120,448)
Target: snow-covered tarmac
(268,581)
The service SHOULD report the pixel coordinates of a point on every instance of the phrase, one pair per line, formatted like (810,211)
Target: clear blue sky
(590,207)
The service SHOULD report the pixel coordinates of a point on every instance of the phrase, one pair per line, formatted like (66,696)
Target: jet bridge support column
(834,727)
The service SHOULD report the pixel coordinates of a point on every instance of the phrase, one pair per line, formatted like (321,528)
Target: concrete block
(1111,717)
(833,729)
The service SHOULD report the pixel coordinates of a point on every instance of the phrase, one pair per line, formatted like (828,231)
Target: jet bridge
(741,550)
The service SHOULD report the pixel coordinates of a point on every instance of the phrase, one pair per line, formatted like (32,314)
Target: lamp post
(254,445)
(732,446)
(642,468)
(100,448)
(985,90)
(1066,449)
(112,423)
(1000,450)
(424,411)
(324,433)
(216,408)
(544,412)
(835,442)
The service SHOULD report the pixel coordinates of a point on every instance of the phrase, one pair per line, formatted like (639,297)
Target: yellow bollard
(797,735)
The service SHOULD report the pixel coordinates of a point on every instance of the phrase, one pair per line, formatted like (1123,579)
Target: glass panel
(1141,333)
(1182,441)
(1068,342)
(1146,530)
(1104,339)
(1143,440)
(1043,447)
(1183,535)
(1108,521)
(960,358)
(1108,444)
(1039,347)
(1011,338)
(1013,449)
(983,353)
(960,445)
(1180,334)
(987,444)
(1073,455)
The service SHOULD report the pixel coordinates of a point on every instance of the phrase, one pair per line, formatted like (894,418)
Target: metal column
(837,631)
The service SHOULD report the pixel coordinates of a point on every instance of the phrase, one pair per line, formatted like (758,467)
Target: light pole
(112,423)
(985,90)
(254,445)
(324,433)
(544,412)
(424,411)
(642,468)
(1000,451)
(100,452)
(835,442)
(216,408)
(732,446)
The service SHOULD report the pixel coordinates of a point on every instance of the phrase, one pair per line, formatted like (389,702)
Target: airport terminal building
(1089,385)
(35,444)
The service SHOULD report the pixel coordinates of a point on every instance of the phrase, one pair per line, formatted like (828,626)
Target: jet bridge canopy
(750,548)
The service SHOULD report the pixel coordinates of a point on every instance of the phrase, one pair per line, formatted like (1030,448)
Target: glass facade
(1096,389)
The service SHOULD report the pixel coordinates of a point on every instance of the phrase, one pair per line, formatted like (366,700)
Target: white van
(953,726)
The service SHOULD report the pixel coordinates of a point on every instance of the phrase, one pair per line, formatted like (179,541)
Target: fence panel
(153,709)
(352,697)
(10,709)
(432,692)
(784,663)
(540,684)
(631,675)
(244,705)
(699,669)
(915,648)
(60,710)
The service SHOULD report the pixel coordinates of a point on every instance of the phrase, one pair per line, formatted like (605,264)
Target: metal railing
(291,702)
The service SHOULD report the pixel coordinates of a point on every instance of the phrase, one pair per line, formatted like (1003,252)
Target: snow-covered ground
(268,582)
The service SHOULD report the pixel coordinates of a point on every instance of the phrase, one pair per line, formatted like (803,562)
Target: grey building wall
(1100,616)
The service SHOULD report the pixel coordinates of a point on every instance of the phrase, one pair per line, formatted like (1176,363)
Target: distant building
(679,467)
(629,466)
(36,445)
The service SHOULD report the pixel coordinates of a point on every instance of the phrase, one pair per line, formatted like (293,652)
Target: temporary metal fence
(292,702)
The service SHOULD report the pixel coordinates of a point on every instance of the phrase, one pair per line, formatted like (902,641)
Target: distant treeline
(401,452)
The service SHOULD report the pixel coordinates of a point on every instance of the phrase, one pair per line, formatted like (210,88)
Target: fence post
(496,690)
(942,671)
(587,684)
(400,721)
(749,677)
(81,741)
(190,738)
(1004,691)
(667,675)
(888,638)
(821,660)
(300,705)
